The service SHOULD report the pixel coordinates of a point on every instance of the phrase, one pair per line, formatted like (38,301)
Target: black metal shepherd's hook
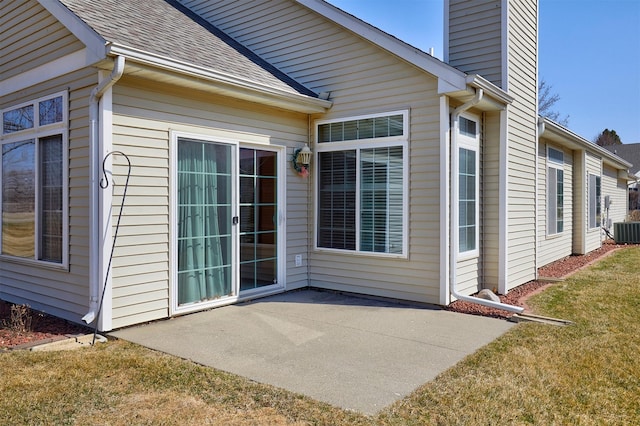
(104,184)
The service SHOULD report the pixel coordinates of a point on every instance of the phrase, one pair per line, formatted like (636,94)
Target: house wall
(593,237)
(490,199)
(555,246)
(31,37)
(362,79)
(475,37)
(144,115)
(617,190)
(505,34)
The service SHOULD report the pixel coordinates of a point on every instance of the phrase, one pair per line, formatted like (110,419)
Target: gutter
(455,116)
(94,169)
(242,88)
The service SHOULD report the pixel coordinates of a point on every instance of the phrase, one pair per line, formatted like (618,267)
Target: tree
(546,101)
(607,137)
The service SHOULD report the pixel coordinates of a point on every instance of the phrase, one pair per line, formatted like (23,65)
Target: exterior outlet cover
(298,260)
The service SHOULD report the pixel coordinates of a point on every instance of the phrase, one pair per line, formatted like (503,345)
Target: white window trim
(472,144)
(358,145)
(37,132)
(552,164)
(378,141)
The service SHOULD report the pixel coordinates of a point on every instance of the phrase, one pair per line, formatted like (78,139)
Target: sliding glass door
(227,210)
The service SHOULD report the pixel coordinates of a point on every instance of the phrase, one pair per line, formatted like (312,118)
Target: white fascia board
(489,89)
(57,67)
(249,89)
(453,79)
(92,40)
(556,132)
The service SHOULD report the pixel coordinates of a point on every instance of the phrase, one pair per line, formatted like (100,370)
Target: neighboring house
(429,179)
(631,153)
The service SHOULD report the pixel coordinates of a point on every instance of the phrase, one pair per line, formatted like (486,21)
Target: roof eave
(557,133)
(233,85)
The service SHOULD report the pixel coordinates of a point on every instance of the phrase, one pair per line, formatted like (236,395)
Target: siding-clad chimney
(498,39)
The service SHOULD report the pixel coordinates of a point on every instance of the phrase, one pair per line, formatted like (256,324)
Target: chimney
(496,39)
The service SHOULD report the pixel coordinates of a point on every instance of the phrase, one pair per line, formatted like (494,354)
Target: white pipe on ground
(94,169)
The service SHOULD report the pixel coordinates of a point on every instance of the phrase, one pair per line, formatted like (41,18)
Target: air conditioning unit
(626,232)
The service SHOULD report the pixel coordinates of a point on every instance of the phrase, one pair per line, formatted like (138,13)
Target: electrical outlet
(298,260)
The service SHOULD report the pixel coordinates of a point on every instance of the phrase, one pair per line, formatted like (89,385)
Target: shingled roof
(169,29)
(629,152)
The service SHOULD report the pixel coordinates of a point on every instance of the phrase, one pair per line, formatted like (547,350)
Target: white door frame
(236,144)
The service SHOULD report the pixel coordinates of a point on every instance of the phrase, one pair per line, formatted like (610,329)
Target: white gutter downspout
(454,214)
(94,169)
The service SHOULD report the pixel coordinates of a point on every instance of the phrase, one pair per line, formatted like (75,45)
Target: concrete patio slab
(356,353)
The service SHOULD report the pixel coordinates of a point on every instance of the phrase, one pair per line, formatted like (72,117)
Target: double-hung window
(33,175)
(555,191)
(468,186)
(595,209)
(361,176)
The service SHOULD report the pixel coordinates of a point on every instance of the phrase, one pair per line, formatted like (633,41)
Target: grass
(587,373)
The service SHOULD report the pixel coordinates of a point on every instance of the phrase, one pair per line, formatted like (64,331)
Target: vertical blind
(380,193)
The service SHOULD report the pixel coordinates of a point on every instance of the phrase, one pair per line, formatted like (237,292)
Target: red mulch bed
(47,328)
(43,328)
(519,295)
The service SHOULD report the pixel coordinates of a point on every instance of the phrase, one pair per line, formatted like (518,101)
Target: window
(594,201)
(555,191)
(33,171)
(361,174)
(468,187)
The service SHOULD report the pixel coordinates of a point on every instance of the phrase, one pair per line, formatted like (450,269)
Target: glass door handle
(235,220)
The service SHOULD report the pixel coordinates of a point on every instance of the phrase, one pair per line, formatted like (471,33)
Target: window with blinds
(361,190)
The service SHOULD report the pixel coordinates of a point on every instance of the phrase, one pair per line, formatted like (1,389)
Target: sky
(589,52)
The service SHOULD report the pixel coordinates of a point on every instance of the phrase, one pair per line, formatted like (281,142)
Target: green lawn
(587,373)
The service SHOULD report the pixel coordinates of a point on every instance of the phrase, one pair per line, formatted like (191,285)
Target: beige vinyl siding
(144,115)
(618,194)
(552,247)
(57,291)
(475,38)
(490,199)
(362,79)
(468,274)
(378,82)
(521,195)
(593,237)
(31,37)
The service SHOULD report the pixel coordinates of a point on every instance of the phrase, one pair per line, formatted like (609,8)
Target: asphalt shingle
(628,152)
(167,28)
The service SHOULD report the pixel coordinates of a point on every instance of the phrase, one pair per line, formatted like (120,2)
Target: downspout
(455,116)
(94,208)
